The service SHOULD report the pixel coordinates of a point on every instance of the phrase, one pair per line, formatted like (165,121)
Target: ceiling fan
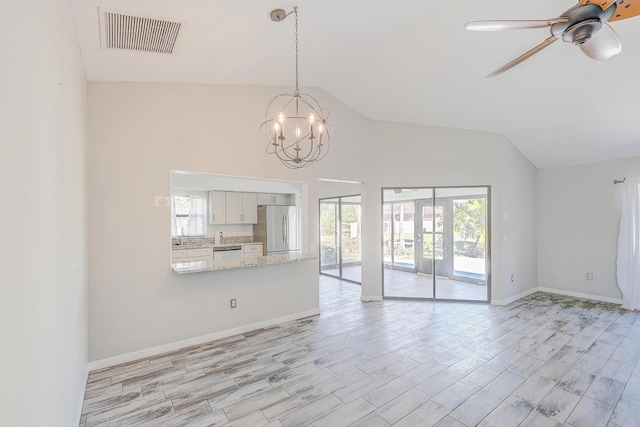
(577,25)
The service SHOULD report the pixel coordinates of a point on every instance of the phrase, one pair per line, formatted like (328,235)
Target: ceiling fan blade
(522,57)
(604,45)
(627,9)
(511,25)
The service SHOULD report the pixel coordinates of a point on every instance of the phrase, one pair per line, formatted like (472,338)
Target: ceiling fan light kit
(584,25)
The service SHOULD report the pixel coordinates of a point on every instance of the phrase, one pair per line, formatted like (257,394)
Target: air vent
(130,32)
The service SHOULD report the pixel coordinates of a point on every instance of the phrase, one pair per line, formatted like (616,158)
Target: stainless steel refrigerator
(278,228)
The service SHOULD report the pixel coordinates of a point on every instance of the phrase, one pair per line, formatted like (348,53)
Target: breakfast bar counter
(201,266)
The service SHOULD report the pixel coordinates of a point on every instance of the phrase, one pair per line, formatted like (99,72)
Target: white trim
(370,298)
(580,295)
(165,348)
(514,298)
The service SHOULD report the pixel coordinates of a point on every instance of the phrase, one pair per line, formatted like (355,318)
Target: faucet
(220,238)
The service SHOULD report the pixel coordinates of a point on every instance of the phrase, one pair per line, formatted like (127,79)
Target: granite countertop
(200,266)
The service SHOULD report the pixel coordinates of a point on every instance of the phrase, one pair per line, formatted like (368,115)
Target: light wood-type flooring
(545,360)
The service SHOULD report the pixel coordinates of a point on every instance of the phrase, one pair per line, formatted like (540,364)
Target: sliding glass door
(340,233)
(445,256)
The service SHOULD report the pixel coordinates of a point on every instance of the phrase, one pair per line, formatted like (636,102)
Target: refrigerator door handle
(286,231)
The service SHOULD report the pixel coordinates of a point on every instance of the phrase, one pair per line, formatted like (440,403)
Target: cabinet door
(179,255)
(282,199)
(217,211)
(249,208)
(272,199)
(200,253)
(234,207)
(265,198)
(252,251)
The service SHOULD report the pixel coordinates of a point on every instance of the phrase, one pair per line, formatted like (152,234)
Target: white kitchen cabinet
(274,199)
(251,250)
(189,255)
(217,212)
(200,254)
(242,208)
(179,255)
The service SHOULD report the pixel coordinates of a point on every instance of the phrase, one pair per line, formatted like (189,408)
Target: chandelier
(295,125)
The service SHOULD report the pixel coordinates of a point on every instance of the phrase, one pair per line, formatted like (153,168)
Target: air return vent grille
(129,32)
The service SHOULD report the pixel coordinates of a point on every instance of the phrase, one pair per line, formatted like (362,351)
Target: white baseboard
(514,298)
(165,348)
(580,295)
(369,298)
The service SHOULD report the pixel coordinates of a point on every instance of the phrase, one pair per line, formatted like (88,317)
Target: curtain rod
(616,181)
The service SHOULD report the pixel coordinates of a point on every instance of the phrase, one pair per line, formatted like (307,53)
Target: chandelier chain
(295,10)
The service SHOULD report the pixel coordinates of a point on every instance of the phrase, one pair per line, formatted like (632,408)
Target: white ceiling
(406,60)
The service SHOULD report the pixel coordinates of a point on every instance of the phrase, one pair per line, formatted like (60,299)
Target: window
(189,215)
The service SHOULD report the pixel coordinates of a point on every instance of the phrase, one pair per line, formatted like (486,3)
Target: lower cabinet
(189,255)
(252,250)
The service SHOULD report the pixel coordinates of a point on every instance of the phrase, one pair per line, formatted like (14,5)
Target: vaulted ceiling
(406,61)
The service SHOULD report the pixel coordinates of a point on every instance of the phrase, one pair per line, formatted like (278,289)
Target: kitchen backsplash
(232,240)
(202,241)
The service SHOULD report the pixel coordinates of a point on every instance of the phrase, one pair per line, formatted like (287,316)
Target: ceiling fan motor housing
(582,22)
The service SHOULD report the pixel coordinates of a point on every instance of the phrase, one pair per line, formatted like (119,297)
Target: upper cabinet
(217,209)
(237,207)
(241,208)
(274,199)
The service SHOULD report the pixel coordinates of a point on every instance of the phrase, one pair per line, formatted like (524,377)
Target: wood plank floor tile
(402,405)
(130,410)
(256,402)
(199,415)
(427,414)
(346,415)
(590,412)
(109,372)
(313,411)
(292,403)
(544,360)
(237,394)
(510,413)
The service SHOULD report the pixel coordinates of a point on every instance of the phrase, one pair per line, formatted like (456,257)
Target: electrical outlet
(233,303)
(589,276)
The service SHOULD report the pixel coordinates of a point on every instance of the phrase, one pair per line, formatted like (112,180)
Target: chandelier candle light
(295,125)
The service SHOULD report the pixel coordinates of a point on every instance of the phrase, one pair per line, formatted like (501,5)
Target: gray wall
(139,132)
(578,219)
(43,309)
(410,156)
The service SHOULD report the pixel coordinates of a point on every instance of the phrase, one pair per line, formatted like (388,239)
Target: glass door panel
(434,242)
(461,275)
(387,233)
(329,237)
(350,253)
(340,236)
